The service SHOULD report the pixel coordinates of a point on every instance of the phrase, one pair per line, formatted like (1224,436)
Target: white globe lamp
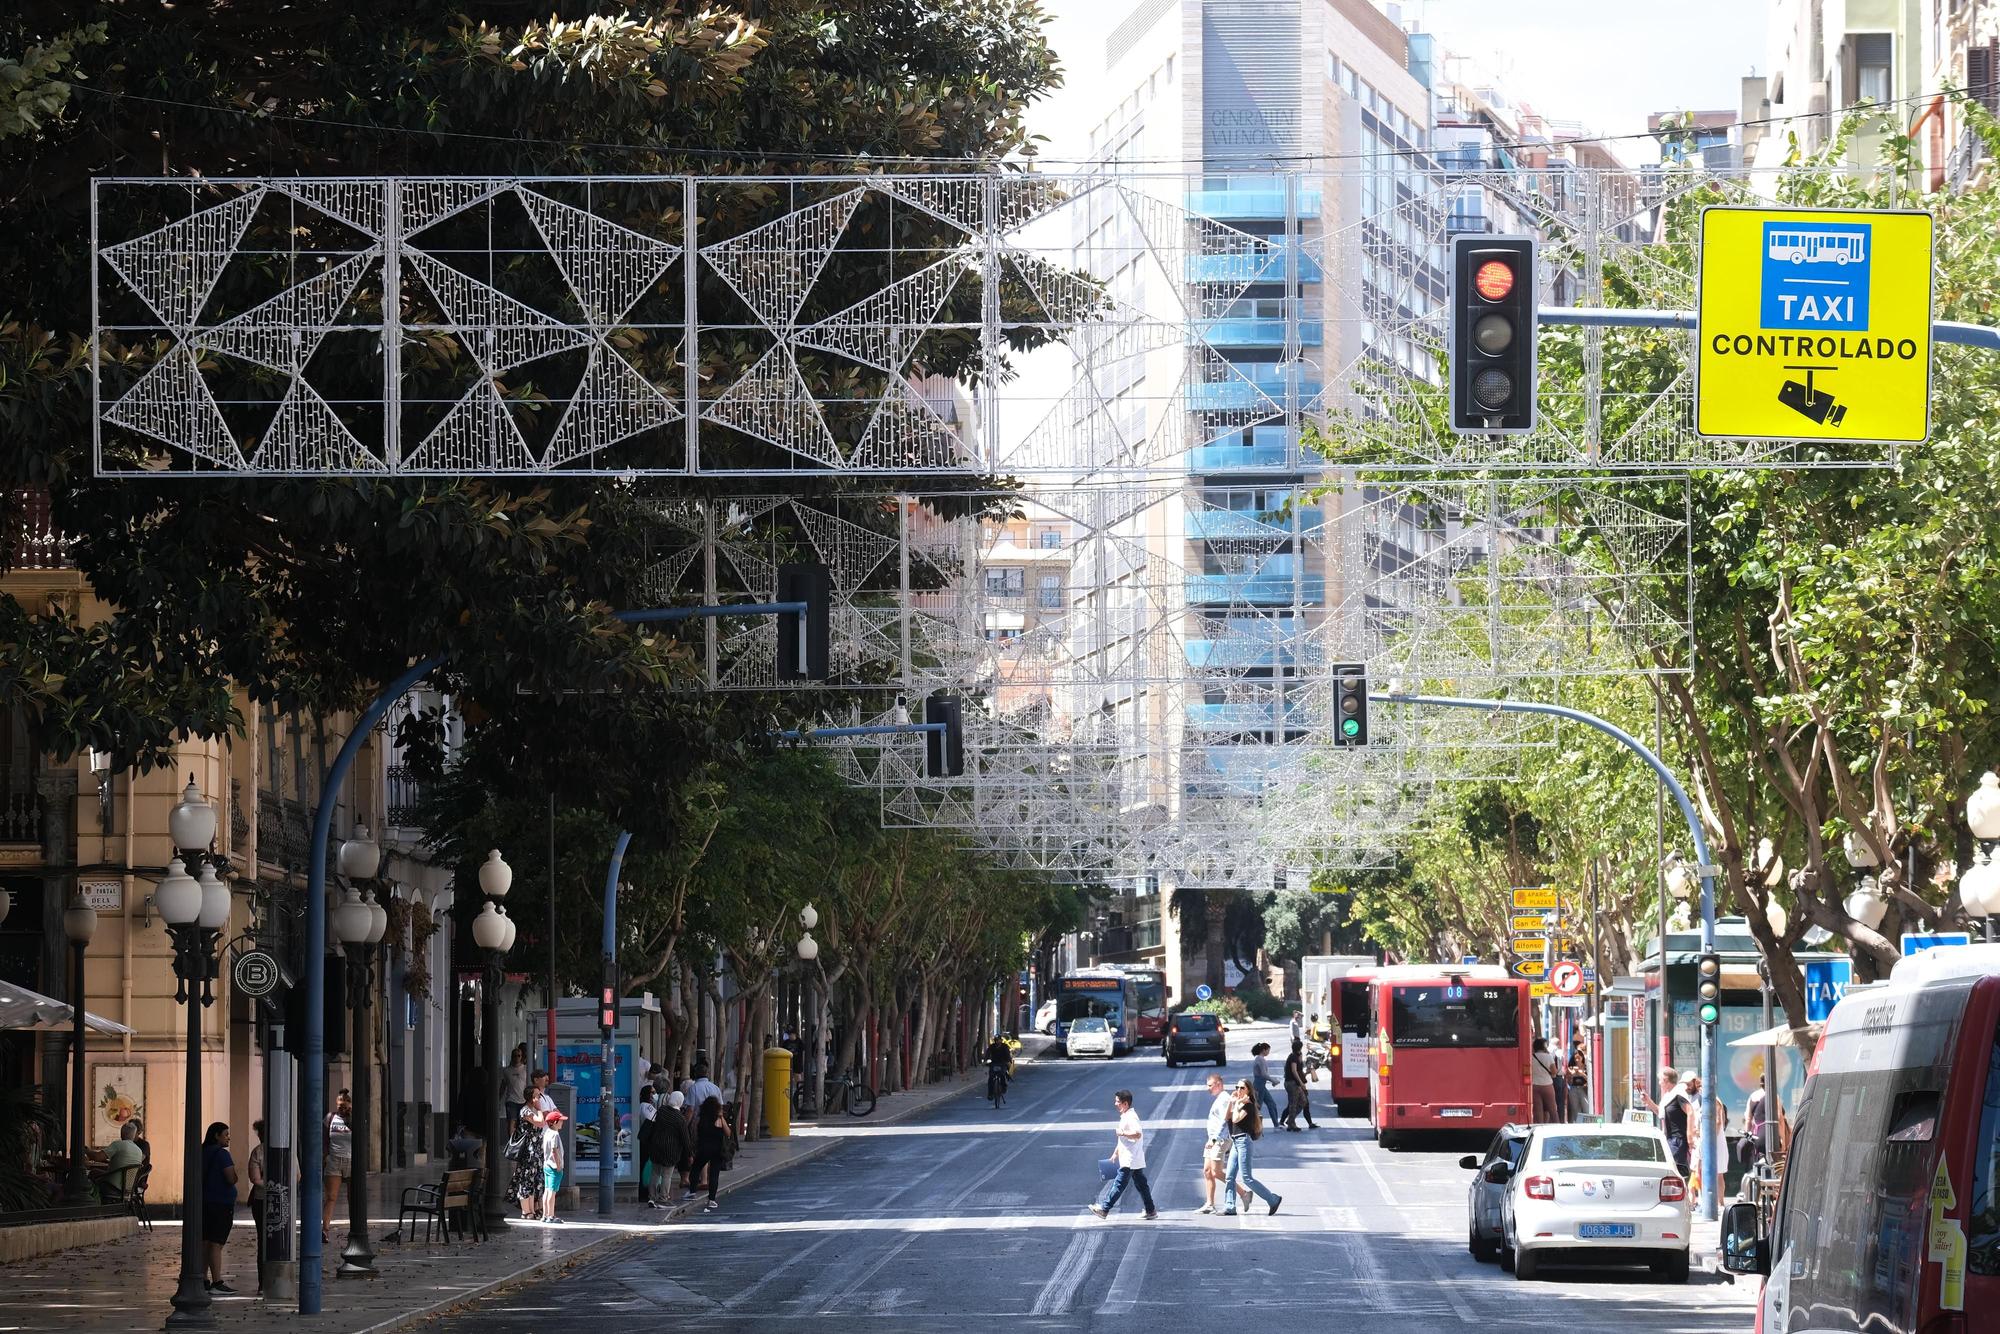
(496,877)
(489,928)
(808,947)
(360,856)
(215,903)
(1866,904)
(191,823)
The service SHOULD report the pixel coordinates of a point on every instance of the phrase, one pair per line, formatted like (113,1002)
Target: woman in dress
(528,1182)
(1245,1126)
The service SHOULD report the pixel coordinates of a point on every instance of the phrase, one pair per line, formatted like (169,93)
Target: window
(1051,539)
(1006,582)
(1872,54)
(1473,1017)
(1603,1148)
(1983,1244)
(1049,591)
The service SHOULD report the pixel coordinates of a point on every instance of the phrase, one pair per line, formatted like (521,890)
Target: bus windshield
(1072,1006)
(1461,1016)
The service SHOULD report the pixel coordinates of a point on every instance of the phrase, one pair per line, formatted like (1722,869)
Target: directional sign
(1566,978)
(1539,989)
(1536,898)
(1203,992)
(1529,968)
(1528,922)
(1914,943)
(1531,945)
(1813,324)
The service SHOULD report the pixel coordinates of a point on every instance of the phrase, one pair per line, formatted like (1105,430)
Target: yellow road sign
(1540,989)
(1527,922)
(1813,324)
(1535,898)
(1529,968)
(1530,945)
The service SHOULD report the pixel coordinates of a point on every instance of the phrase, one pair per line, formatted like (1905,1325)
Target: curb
(738,1181)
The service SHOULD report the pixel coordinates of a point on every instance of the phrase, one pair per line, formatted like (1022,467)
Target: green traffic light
(1349,727)
(1710,1013)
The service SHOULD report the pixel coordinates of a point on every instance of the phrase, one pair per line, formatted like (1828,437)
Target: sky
(1551,54)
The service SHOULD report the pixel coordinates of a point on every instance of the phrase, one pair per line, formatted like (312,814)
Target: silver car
(1091,1037)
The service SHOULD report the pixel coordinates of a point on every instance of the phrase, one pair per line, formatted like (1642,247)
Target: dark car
(1196,1037)
(1492,1171)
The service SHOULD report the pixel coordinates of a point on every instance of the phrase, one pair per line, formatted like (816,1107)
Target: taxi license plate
(1454,1111)
(1592,1230)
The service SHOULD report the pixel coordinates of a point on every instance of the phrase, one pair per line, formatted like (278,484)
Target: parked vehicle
(1484,1200)
(1192,1036)
(1889,1215)
(1092,1036)
(1045,1017)
(1599,1194)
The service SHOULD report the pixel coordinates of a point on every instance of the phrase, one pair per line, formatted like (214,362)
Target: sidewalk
(126,1285)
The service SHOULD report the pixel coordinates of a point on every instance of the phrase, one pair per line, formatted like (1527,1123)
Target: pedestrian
(514,1082)
(1245,1127)
(1542,1075)
(700,1088)
(1298,1096)
(1579,1083)
(1674,1108)
(339,1159)
(1260,1075)
(218,1204)
(552,1164)
(1128,1150)
(711,1148)
(257,1173)
(527,1146)
(1298,1025)
(669,1150)
(1215,1146)
(648,1112)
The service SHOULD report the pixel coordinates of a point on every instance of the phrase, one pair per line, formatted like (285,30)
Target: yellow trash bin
(777,1093)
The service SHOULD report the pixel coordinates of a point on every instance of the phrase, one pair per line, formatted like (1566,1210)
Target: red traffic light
(1494,279)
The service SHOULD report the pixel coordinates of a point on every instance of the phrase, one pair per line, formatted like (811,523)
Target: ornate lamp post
(808,952)
(194,911)
(493,933)
(1979,888)
(79,924)
(357,924)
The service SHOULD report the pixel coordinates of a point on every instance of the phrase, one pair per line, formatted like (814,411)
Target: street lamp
(1979,890)
(493,934)
(356,927)
(79,924)
(194,911)
(1866,904)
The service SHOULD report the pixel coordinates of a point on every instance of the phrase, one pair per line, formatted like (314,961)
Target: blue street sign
(1826,983)
(1469,960)
(1816,275)
(1203,992)
(1589,974)
(1917,944)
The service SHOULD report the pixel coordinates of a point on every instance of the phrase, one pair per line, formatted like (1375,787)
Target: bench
(458,1193)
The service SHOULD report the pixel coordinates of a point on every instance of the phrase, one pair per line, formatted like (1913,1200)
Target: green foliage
(1258,1002)
(1230,1009)
(31,91)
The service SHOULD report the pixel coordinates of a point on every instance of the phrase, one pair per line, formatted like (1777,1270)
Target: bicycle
(839,1094)
(996,1086)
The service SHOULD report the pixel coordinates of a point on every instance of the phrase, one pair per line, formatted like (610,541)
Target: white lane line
(1057,1294)
(771,1275)
(1448,1287)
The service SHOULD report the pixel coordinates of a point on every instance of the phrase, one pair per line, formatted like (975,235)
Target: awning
(30,1011)
(1784,1035)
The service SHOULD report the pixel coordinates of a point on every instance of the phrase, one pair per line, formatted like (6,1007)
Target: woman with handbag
(1245,1126)
(526,1147)
(711,1149)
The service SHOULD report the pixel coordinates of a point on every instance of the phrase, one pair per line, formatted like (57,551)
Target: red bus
(1344,1009)
(1449,1050)
(1149,986)
(1889,1216)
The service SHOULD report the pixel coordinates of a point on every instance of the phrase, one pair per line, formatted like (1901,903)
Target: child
(552,1164)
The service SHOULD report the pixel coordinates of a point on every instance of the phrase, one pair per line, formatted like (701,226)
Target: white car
(1595,1194)
(1045,1017)
(1090,1037)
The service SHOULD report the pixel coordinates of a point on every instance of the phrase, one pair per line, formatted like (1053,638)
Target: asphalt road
(974,1215)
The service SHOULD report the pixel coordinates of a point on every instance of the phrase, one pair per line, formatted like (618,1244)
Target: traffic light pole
(1711,1139)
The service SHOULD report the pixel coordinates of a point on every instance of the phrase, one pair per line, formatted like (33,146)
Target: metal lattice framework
(881,324)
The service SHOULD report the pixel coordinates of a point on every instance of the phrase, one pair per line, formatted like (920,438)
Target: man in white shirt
(1215,1148)
(1298,1026)
(700,1088)
(1130,1155)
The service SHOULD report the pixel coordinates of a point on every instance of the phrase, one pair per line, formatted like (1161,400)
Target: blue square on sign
(1816,275)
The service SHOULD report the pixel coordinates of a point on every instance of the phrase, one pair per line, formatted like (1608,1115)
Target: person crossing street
(1130,1154)
(1215,1148)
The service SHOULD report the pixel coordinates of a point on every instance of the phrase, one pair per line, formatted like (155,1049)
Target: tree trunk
(1216,909)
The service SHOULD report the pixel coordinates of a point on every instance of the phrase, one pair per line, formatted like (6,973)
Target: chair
(436,1202)
(126,1187)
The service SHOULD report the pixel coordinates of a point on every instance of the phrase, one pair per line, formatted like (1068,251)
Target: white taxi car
(1090,1037)
(1595,1195)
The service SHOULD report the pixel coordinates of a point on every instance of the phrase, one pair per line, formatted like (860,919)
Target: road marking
(1447,1287)
(830,1304)
(768,1276)
(659,1290)
(1057,1294)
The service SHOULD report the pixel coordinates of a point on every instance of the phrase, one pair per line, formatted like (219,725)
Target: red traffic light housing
(1493,327)
(1494,279)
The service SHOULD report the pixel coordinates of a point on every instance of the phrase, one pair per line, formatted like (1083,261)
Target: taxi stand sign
(1813,324)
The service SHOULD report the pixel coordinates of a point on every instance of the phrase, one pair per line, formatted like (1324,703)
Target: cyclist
(999,1060)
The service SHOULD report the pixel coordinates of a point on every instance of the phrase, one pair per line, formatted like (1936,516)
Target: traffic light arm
(884,729)
(1711,1152)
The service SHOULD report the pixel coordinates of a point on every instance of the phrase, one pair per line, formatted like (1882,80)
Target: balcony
(20,805)
(1236,525)
(1252,199)
(1267,267)
(406,794)
(1963,162)
(1254,590)
(32,540)
(1261,322)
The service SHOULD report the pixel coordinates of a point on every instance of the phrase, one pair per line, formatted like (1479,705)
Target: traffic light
(805,642)
(1350,704)
(1493,325)
(1708,987)
(944,752)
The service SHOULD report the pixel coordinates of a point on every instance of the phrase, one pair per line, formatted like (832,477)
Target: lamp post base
(191,1305)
